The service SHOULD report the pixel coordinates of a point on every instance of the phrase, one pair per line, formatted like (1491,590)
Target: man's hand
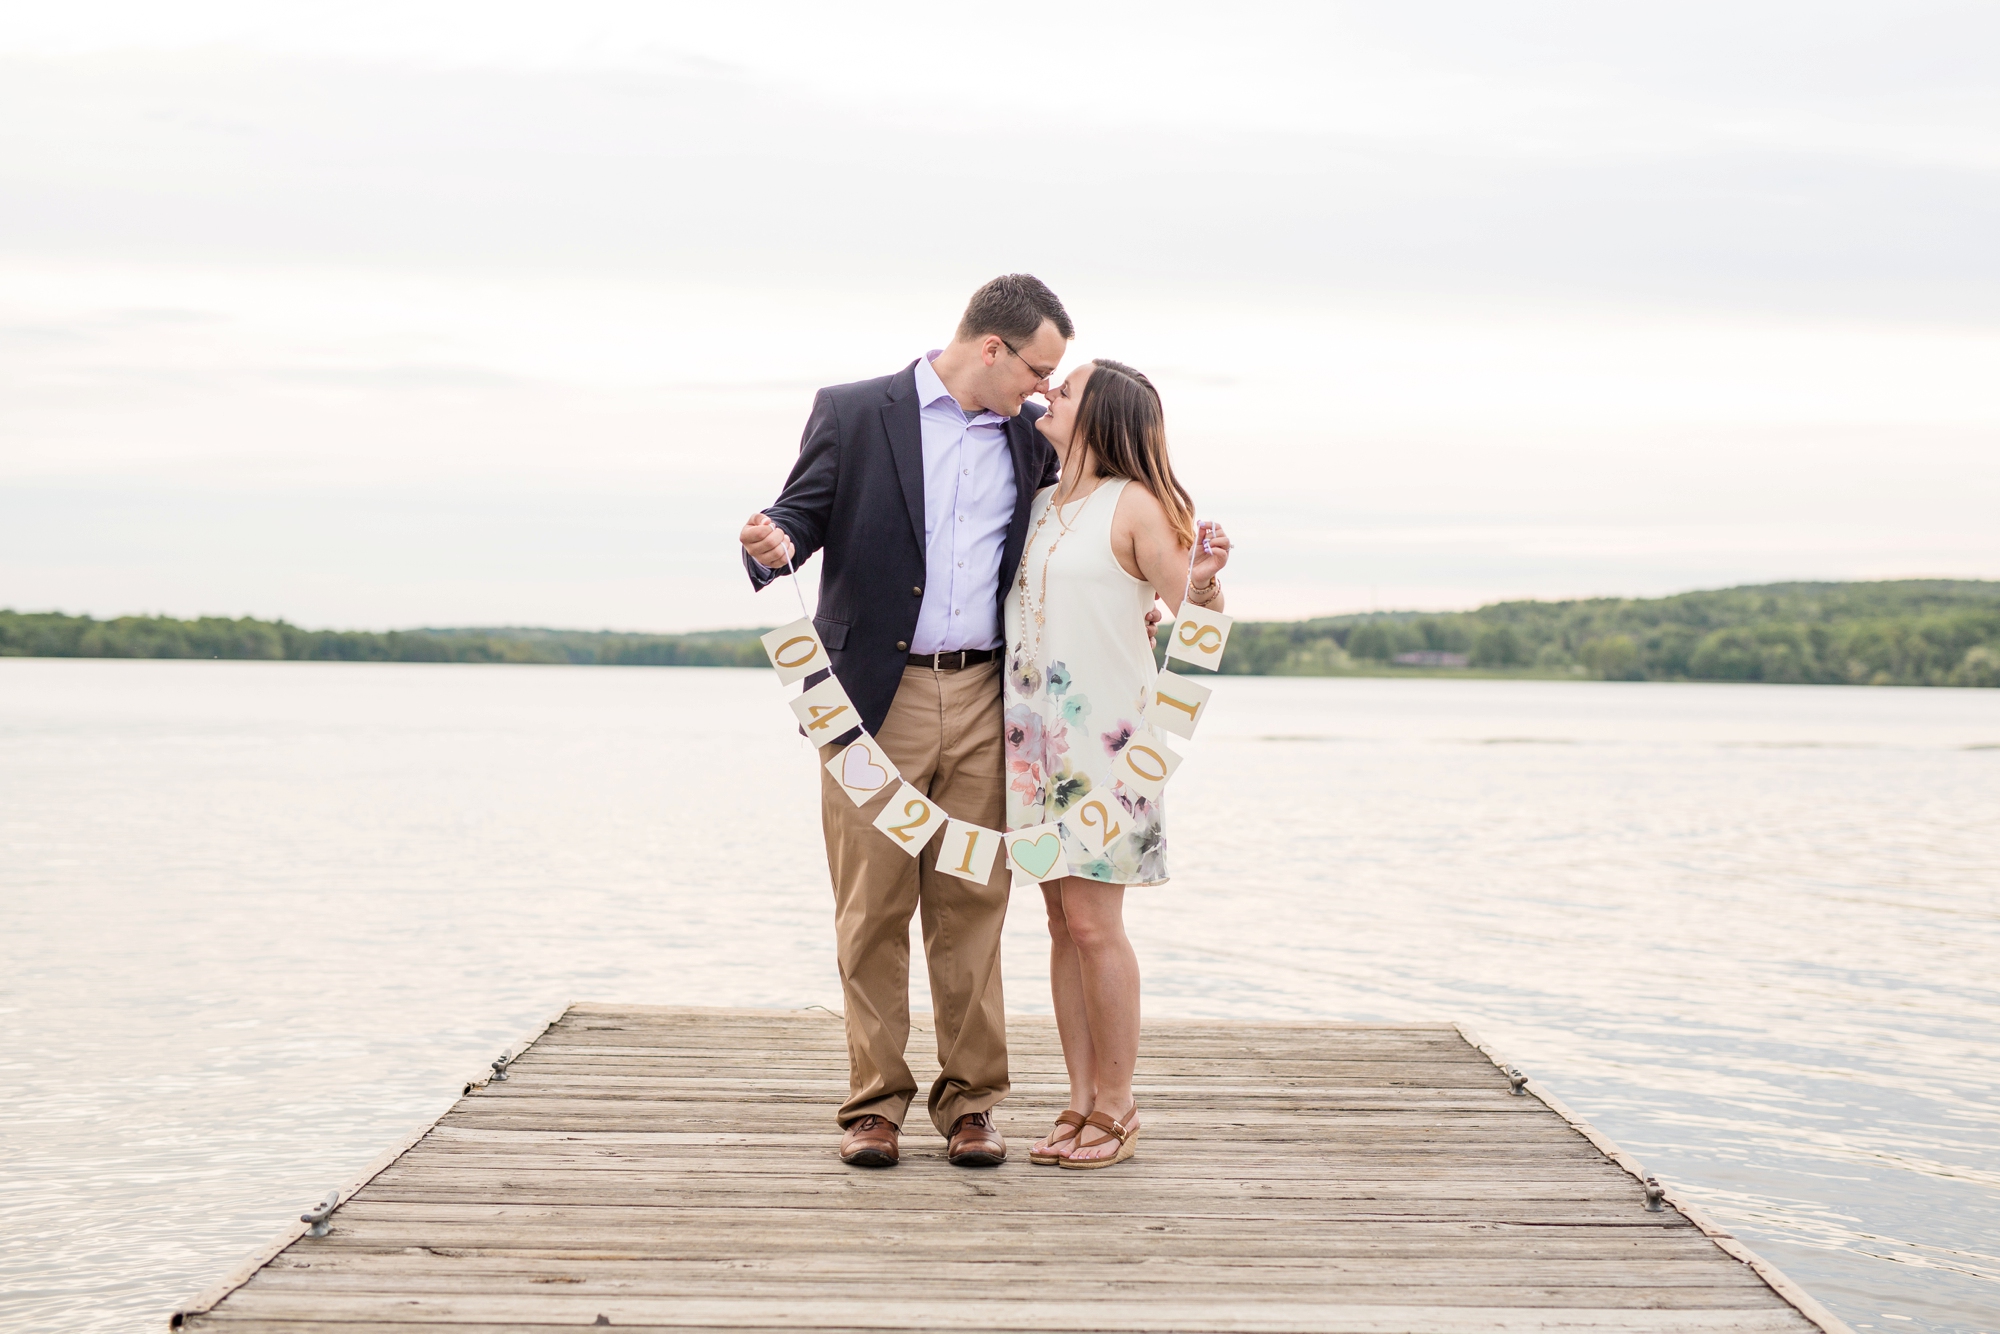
(766,542)
(1154,615)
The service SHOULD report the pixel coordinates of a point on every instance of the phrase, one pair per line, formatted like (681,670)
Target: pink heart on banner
(859,771)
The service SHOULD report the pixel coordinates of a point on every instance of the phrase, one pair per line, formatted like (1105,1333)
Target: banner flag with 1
(825,711)
(1145,765)
(1198,636)
(968,851)
(795,651)
(863,770)
(1035,854)
(910,819)
(1177,703)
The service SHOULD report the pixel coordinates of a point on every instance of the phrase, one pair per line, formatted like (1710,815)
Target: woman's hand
(1211,552)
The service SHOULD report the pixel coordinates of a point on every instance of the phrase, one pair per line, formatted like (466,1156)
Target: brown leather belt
(954,660)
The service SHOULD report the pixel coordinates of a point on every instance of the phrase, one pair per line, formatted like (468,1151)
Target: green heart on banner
(1036,858)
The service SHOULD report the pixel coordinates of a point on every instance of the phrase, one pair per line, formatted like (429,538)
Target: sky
(380,315)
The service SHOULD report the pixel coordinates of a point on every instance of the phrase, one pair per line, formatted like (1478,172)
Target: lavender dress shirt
(968,503)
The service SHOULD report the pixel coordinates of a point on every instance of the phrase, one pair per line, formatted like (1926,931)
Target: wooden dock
(676,1169)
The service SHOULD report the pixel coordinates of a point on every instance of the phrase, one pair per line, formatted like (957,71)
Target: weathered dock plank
(674,1169)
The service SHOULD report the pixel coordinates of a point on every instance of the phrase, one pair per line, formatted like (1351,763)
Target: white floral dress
(1076,685)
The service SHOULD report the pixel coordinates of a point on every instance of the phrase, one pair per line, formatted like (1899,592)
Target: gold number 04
(922,811)
(1103,820)
(812,651)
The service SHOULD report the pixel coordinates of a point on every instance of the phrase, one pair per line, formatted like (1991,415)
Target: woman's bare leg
(1094,919)
(1066,989)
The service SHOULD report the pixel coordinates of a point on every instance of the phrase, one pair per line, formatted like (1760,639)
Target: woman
(1117,529)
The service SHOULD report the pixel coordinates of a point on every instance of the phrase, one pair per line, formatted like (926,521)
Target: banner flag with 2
(1095,822)
(910,819)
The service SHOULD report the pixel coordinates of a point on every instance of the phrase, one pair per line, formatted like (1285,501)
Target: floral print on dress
(1044,782)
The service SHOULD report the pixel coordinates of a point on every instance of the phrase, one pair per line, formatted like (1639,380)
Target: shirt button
(968,472)
(954,611)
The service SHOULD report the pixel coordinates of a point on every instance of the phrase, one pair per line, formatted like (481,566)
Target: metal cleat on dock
(321,1215)
(1656,1194)
(1516,1081)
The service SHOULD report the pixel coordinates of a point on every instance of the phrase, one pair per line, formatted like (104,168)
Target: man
(917,486)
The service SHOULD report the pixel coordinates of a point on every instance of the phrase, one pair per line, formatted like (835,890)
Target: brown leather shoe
(975,1143)
(870,1141)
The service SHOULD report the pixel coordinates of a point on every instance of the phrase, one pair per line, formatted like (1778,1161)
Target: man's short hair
(1013,306)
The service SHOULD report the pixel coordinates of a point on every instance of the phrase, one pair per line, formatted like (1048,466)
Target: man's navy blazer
(857,493)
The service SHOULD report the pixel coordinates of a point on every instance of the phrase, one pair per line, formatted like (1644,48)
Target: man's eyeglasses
(1041,376)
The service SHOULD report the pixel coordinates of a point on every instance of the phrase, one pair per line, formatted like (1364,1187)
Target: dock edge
(1774,1278)
(208,1297)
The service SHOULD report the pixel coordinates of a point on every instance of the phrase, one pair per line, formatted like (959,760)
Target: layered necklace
(1038,605)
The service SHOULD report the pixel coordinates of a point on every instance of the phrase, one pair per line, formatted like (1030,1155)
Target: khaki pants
(943,732)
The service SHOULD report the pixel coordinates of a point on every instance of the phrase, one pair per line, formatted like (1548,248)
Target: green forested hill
(1906,632)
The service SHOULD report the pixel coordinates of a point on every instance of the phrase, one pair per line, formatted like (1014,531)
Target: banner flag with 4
(825,711)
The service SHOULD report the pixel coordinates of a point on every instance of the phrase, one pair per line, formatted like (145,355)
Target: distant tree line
(1908,632)
(1929,632)
(51,635)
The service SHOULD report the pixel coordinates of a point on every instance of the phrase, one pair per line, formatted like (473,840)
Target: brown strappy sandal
(1065,1119)
(1112,1130)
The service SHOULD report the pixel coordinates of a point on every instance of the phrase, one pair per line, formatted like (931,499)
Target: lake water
(259,920)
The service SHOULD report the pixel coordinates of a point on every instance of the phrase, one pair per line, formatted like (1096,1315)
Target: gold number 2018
(1172,703)
(921,811)
(1103,820)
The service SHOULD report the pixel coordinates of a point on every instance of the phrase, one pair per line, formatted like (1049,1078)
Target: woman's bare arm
(1147,548)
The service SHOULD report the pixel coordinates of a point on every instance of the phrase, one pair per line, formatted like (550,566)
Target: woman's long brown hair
(1120,421)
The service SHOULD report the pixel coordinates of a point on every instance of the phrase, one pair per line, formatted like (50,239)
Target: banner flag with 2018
(911,820)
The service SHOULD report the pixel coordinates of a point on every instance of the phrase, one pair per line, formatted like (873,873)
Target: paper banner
(1145,765)
(825,711)
(968,851)
(1198,636)
(1096,823)
(795,651)
(863,770)
(910,819)
(1176,703)
(1035,854)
